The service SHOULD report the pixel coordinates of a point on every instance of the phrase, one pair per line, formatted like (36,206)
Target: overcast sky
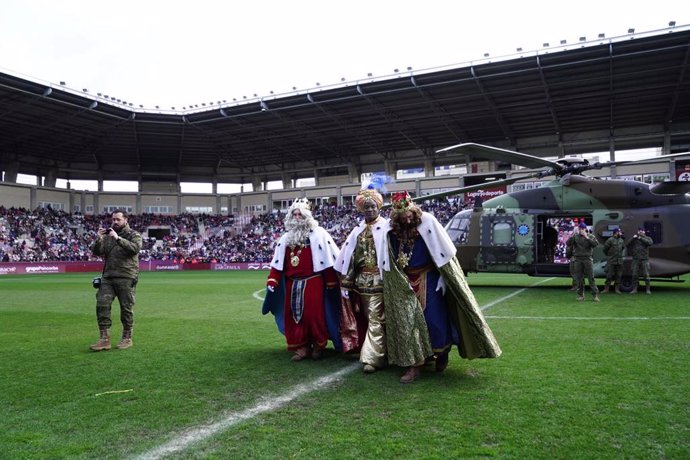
(179,53)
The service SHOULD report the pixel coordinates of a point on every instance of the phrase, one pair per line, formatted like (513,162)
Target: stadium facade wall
(256,202)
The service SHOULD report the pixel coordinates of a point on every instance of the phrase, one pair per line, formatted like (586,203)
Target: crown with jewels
(401,201)
(300,203)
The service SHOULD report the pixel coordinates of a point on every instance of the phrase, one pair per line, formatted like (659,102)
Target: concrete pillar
(257,184)
(32,200)
(137,207)
(354,174)
(391,168)
(287,181)
(666,149)
(338,195)
(316,177)
(612,156)
(11,171)
(96,206)
(428,168)
(179,201)
(238,203)
(50,179)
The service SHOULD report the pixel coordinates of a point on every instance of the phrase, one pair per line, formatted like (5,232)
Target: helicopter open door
(507,241)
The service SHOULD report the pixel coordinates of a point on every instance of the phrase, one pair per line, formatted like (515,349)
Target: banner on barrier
(32,268)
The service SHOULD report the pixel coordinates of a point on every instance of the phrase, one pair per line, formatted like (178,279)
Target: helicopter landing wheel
(626,284)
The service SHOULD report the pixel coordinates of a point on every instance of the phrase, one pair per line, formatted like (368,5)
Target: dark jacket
(638,247)
(614,248)
(581,246)
(121,256)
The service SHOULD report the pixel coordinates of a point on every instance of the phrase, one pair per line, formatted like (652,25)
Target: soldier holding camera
(119,245)
(580,245)
(638,248)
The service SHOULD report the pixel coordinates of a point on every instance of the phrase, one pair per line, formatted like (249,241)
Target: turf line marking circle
(257,296)
(194,435)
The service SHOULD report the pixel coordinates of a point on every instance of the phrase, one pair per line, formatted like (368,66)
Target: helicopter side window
(502,233)
(458,229)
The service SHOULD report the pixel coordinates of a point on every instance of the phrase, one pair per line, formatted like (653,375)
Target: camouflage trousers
(584,267)
(614,273)
(640,269)
(125,291)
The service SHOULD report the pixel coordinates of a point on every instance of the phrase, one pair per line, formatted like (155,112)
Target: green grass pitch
(576,379)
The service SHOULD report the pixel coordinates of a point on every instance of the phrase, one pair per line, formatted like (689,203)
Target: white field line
(519,291)
(260,291)
(194,435)
(595,318)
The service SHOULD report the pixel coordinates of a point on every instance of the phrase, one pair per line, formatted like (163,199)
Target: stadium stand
(45,234)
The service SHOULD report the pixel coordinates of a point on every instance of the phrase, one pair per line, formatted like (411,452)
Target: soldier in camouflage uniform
(581,245)
(613,249)
(119,246)
(638,248)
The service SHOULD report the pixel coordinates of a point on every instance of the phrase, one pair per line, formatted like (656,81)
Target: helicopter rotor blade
(608,164)
(472,188)
(472,150)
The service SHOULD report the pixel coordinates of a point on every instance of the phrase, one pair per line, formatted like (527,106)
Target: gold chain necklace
(404,257)
(366,239)
(294,257)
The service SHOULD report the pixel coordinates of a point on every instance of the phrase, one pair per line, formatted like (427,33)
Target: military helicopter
(525,231)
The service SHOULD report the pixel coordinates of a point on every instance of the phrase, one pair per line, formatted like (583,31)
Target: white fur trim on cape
(438,242)
(380,227)
(324,251)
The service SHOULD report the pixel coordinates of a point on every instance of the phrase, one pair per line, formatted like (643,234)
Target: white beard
(297,236)
(298,230)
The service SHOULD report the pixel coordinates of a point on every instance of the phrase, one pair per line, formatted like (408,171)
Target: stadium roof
(634,90)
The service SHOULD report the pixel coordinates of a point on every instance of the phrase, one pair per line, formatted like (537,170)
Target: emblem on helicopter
(523,229)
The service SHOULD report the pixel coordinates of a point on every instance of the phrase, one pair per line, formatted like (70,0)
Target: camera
(96,282)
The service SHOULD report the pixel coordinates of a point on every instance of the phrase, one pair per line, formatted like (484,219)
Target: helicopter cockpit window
(458,228)
(502,233)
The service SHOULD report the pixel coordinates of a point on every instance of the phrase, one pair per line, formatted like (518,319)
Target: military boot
(634,291)
(606,288)
(649,289)
(103,342)
(126,340)
(618,289)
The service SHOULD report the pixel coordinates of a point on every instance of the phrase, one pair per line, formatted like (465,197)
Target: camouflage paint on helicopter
(508,233)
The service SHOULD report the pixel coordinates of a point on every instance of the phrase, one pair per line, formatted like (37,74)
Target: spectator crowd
(45,234)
